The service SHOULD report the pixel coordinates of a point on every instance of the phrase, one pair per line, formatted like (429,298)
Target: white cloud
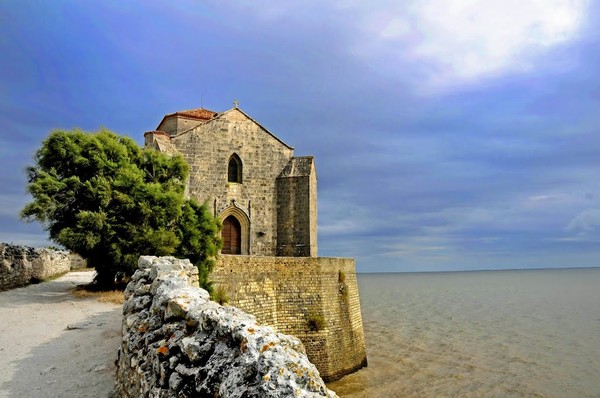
(585,222)
(464,40)
(341,226)
(438,43)
(429,246)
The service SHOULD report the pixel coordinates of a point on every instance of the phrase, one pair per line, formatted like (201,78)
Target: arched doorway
(232,236)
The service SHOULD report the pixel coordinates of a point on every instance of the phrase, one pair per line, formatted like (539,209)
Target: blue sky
(448,134)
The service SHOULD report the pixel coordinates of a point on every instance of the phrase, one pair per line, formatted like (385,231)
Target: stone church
(265,197)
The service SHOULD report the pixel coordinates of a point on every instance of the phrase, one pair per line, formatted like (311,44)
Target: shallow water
(530,333)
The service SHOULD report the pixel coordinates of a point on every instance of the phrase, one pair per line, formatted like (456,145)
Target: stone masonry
(22,265)
(291,294)
(178,343)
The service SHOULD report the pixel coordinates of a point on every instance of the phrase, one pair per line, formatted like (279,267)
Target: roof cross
(236,103)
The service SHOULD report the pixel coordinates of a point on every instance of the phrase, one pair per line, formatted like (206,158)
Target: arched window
(234,169)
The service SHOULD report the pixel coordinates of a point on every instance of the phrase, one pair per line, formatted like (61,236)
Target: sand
(55,345)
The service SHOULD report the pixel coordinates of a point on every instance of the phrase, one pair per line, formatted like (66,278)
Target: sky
(448,134)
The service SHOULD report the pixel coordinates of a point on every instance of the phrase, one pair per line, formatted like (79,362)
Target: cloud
(459,41)
(433,45)
(587,221)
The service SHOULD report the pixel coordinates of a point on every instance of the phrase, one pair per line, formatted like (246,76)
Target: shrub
(316,322)
(219,295)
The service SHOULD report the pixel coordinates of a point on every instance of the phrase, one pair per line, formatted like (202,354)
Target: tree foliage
(103,197)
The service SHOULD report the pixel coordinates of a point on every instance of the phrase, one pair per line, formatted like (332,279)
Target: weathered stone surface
(77,262)
(21,265)
(289,293)
(177,343)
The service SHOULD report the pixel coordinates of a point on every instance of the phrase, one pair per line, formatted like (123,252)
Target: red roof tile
(200,113)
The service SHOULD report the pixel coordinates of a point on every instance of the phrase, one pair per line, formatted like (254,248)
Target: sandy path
(55,345)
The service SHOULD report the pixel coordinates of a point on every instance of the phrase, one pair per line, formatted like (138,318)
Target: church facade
(265,197)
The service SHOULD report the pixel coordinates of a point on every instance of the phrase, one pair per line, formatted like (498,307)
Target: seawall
(178,343)
(22,265)
(313,298)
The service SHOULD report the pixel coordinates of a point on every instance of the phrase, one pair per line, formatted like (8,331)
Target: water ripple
(474,334)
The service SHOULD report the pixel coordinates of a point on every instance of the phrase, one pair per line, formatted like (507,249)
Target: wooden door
(232,236)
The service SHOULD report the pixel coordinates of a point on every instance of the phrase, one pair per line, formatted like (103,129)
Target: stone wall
(177,343)
(208,147)
(297,209)
(77,262)
(314,299)
(21,265)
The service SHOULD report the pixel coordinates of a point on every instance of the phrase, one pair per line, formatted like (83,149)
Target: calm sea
(531,333)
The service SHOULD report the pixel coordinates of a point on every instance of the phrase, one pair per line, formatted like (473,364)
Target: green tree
(197,231)
(103,197)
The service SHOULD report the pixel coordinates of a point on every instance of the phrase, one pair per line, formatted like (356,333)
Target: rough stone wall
(297,209)
(21,265)
(292,294)
(169,125)
(177,343)
(175,124)
(77,262)
(208,147)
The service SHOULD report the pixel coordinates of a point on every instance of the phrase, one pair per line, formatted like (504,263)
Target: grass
(103,296)
(343,286)
(341,276)
(316,322)
(220,295)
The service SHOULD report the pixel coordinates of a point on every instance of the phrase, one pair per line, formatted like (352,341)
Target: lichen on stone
(177,343)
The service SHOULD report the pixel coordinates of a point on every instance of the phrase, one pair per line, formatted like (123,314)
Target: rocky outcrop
(178,343)
(21,265)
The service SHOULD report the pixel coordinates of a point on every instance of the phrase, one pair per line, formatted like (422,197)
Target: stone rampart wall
(21,265)
(313,298)
(178,343)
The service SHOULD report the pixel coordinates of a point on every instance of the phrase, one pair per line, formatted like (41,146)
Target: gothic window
(234,169)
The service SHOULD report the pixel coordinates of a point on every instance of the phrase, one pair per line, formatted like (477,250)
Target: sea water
(522,333)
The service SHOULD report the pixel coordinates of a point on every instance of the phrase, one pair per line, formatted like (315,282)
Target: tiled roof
(200,113)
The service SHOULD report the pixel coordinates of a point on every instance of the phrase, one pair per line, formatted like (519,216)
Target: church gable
(238,118)
(235,165)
